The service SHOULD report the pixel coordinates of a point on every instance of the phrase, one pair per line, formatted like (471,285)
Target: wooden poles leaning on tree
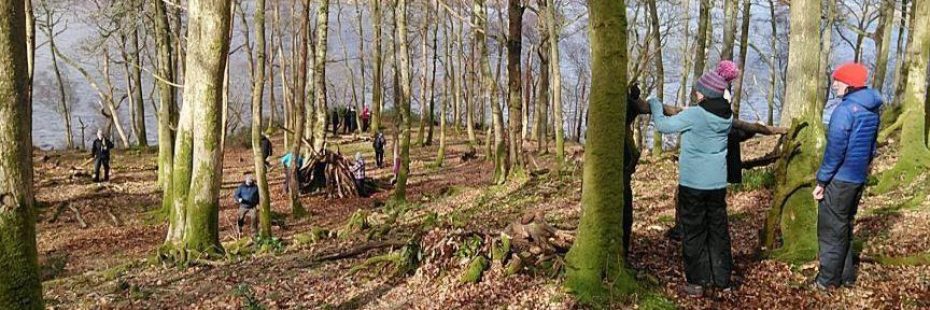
(20,286)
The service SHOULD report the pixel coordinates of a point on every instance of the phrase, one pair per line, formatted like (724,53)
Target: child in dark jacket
(851,145)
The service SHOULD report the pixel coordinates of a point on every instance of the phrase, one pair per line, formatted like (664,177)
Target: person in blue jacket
(246,196)
(702,188)
(851,145)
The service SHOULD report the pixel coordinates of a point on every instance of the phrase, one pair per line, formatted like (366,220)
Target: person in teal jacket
(702,188)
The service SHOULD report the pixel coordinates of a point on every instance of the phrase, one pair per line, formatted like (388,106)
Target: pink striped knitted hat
(713,83)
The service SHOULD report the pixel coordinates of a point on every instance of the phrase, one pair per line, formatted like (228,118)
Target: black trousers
(835,221)
(706,243)
(102,162)
(379,157)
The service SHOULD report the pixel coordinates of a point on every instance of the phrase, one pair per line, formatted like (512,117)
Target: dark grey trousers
(706,243)
(835,221)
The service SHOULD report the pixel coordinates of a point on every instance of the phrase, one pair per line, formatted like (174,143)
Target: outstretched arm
(669,124)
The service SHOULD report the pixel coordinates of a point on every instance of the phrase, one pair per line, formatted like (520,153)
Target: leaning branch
(755,128)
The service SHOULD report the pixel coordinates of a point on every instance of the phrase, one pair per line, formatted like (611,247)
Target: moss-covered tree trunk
(659,71)
(402,55)
(199,159)
(826,48)
(914,156)
(20,286)
(595,261)
(377,64)
(319,77)
(164,67)
(486,92)
(556,69)
(793,210)
(515,10)
(258,90)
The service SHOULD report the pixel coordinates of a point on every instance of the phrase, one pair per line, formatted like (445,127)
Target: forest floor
(111,264)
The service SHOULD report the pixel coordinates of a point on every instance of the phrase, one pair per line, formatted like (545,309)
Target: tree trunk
(49,30)
(400,19)
(773,41)
(883,44)
(198,162)
(477,87)
(319,77)
(542,96)
(660,71)
(424,78)
(135,71)
(30,44)
(793,209)
(166,97)
(111,106)
(743,53)
(361,57)
(729,29)
(20,286)
(700,51)
(298,116)
(432,87)
(487,90)
(556,76)
(514,52)
(377,83)
(449,91)
(915,155)
(258,88)
(597,254)
(685,54)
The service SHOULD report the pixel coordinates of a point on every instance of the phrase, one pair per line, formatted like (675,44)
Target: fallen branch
(766,160)
(352,252)
(58,210)
(77,215)
(116,220)
(643,108)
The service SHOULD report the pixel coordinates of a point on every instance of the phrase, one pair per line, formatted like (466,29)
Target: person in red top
(366,119)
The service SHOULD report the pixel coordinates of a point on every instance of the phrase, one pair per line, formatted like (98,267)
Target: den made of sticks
(453,154)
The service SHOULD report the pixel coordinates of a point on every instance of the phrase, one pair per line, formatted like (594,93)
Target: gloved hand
(241,200)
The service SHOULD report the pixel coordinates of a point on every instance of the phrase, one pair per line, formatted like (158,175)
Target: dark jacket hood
(717,106)
(866,97)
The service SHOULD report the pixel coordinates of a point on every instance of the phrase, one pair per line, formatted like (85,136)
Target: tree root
(475,269)
(77,215)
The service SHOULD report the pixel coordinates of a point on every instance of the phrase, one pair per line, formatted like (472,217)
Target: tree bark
(486,92)
(556,76)
(400,19)
(48,28)
(258,88)
(20,286)
(743,53)
(298,117)
(660,70)
(542,96)
(515,95)
(377,83)
(166,97)
(915,154)
(138,105)
(729,29)
(793,209)
(883,44)
(319,77)
(597,254)
(700,51)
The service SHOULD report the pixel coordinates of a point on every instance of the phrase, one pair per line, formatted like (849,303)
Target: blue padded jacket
(851,138)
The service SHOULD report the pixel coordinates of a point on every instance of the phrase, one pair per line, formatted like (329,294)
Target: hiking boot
(693,290)
(818,287)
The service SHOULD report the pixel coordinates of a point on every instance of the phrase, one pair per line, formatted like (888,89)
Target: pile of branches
(328,172)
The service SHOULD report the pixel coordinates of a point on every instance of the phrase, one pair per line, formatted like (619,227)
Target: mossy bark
(164,66)
(378,64)
(198,161)
(20,286)
(883,41)
(299,109)
(138,105)
(595,264)
(542,95)
(794,210)
(402,55)
(914,156)
(258,89)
